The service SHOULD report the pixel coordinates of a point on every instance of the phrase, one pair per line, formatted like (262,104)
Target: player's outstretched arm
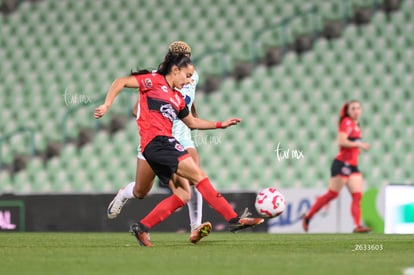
(202,124)
(114,90)
(194,110)
(345,142)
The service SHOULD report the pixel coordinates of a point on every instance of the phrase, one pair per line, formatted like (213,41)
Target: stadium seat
(5,178)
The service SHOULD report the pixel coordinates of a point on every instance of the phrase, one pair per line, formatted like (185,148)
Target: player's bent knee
(191,172)
(184,196)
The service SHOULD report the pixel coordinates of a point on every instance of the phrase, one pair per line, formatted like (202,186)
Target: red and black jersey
(349,154)
(159,105)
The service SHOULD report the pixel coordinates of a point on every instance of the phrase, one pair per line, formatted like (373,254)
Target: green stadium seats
(21,182)
(5,178)
(287,103)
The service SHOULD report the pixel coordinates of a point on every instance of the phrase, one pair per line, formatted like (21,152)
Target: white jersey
(179,130)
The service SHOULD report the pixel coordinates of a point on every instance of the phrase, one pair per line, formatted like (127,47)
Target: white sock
(195,208)
(127,192)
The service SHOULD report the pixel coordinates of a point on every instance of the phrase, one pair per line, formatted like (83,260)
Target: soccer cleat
(244,221)
(305,223)
(115,207)
(361,229)
(202,231)
(141,234)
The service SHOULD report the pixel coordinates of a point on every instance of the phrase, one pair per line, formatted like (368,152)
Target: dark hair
(137,72)
(343,113)
(171,59)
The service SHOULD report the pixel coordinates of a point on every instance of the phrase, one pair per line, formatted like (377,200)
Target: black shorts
(343,169)
(163,154)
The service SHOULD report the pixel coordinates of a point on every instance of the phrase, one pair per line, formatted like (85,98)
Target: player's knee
(196,176)
(184,196)
(200,175)
(332,194)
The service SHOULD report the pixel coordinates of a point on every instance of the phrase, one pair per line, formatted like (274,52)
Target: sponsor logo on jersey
(164,88)
(168,111)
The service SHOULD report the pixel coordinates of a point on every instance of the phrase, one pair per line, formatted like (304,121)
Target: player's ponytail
(343,112)
(171,59)
(137,72)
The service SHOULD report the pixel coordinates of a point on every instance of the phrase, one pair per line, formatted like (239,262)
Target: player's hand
(364,145)
(229,122)
(100,111)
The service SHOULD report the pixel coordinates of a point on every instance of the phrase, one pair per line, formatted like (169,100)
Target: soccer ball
(270,203)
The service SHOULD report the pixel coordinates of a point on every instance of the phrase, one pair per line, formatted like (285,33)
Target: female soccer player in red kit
(344,169)
(159,105)
(144,176)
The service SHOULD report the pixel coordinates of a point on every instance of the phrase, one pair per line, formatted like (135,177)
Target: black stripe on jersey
(163,107)
(354,139)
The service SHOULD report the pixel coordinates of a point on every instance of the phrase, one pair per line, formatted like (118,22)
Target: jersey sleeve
(183,112)
(145,82)
(345,126)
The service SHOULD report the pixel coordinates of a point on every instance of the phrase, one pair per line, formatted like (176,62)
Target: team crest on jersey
(179,147)
(346,170)
(147,83)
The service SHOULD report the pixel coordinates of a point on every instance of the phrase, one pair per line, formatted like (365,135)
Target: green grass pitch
(219,253)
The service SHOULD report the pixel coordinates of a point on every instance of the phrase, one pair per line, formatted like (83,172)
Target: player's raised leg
(335,185)
(162,210)
(187,168)
(144,179)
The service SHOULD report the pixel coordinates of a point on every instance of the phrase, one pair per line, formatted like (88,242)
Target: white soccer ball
(270,202)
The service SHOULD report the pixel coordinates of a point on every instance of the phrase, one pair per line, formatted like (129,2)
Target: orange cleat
(141,234)
(202,231)
(361,229)
(244,221)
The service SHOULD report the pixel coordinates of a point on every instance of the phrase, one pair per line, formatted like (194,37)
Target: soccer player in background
(344,169)
(159,105)
(144,178)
